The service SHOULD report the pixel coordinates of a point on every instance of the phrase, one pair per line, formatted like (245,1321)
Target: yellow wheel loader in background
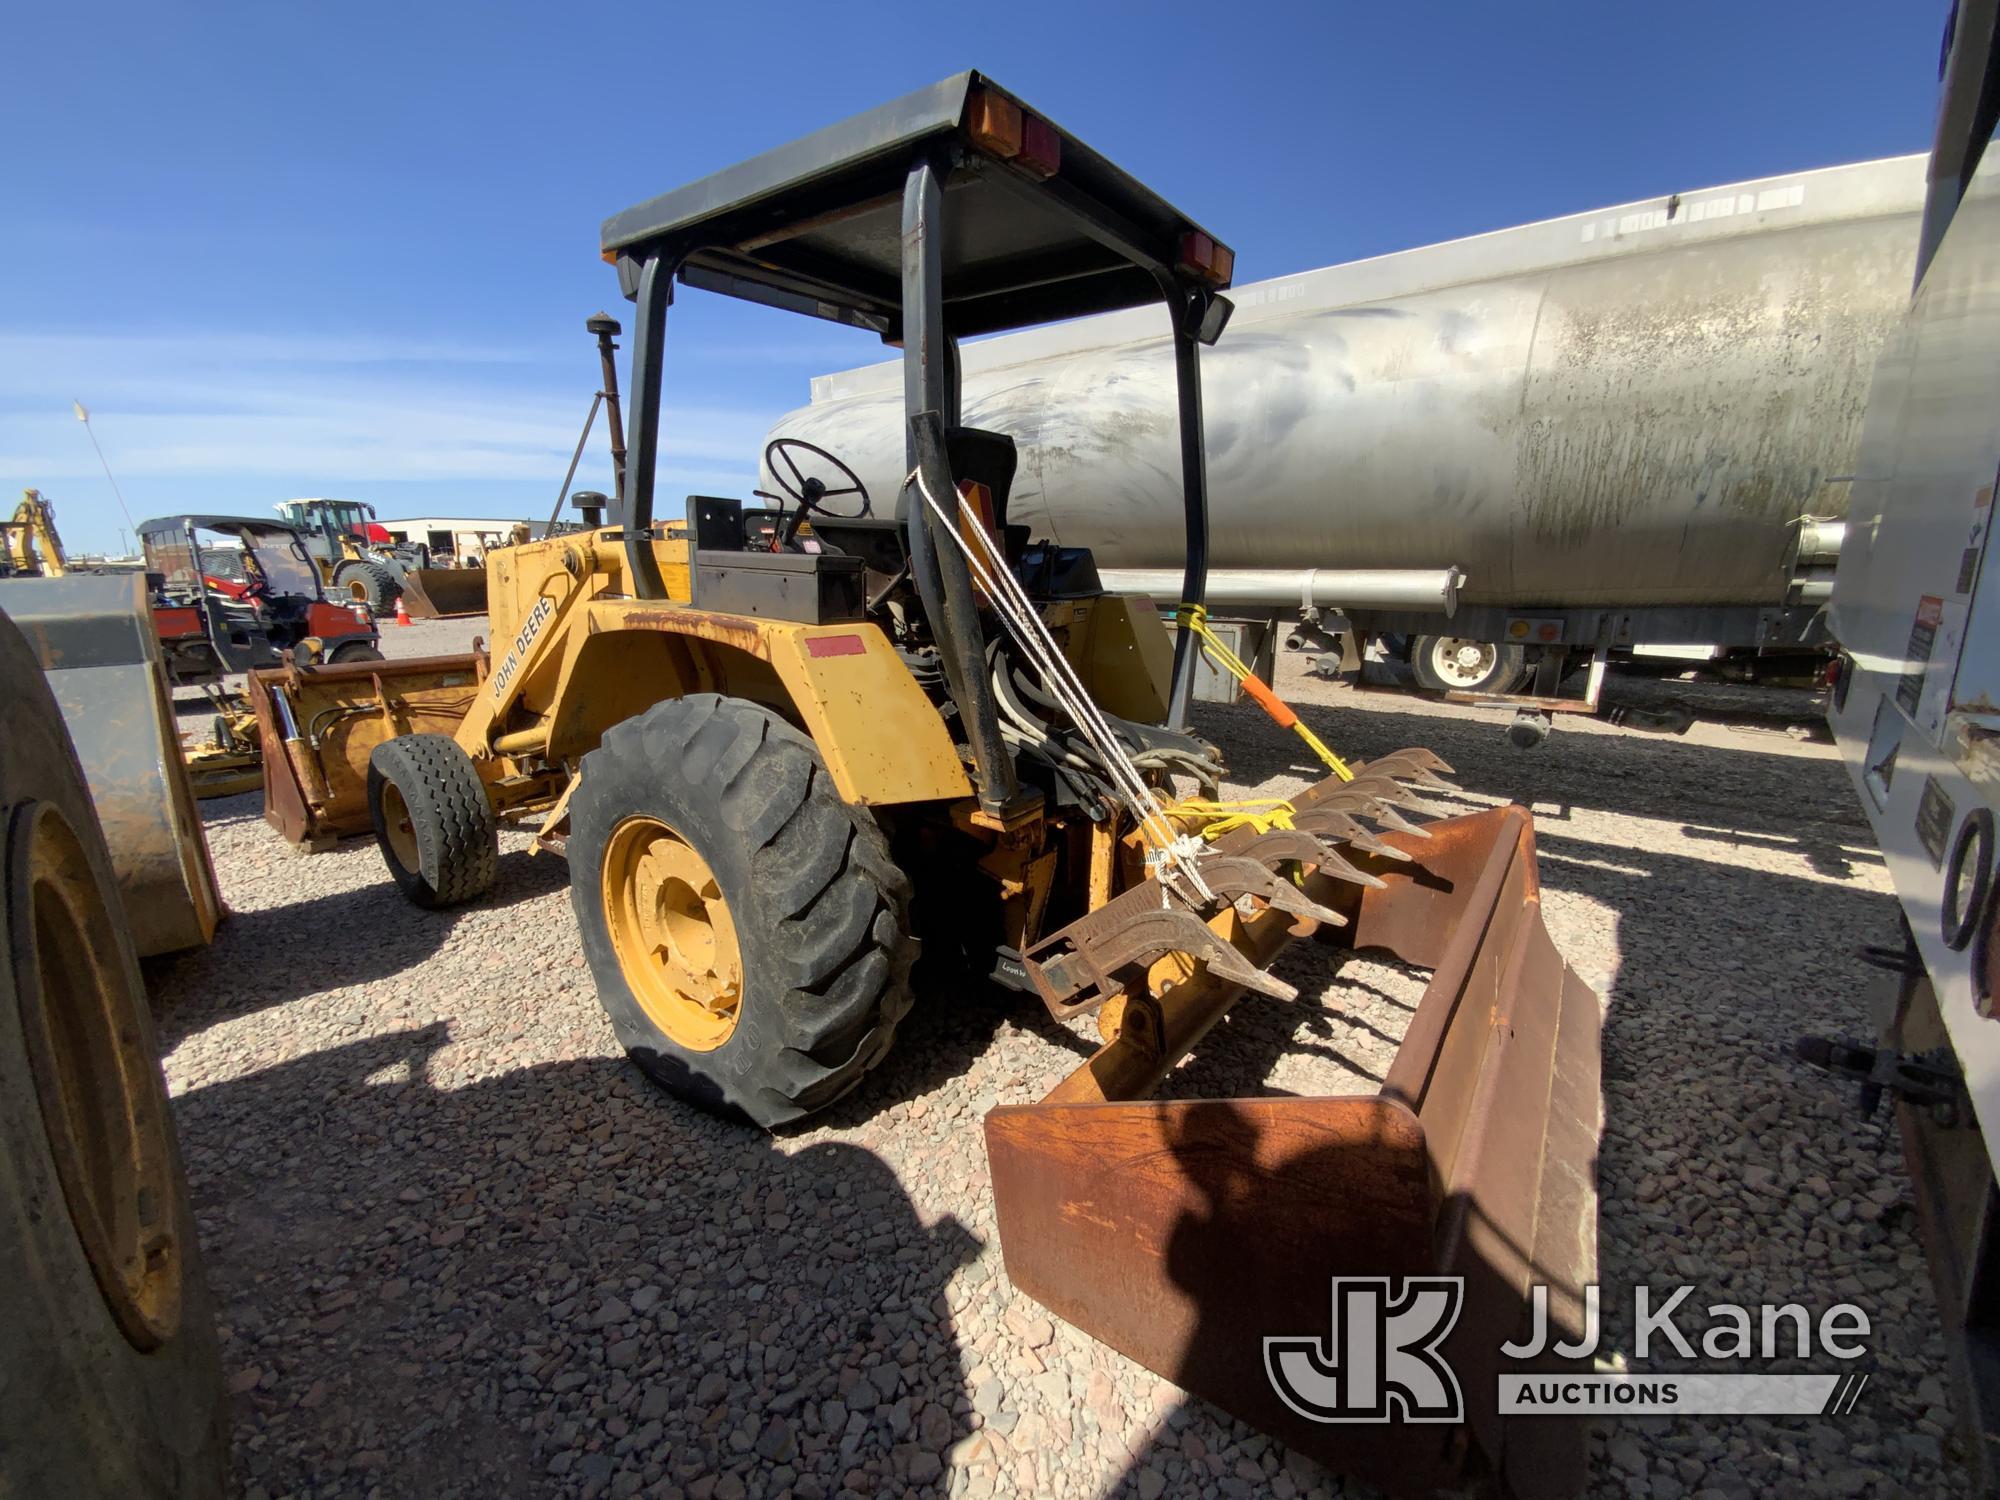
(772,743)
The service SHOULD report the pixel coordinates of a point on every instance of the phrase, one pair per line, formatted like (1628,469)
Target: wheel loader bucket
(440,593)
(317,726)
(93,634)
(1186,1234)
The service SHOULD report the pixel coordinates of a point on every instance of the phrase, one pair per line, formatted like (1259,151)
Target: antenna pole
(83,416)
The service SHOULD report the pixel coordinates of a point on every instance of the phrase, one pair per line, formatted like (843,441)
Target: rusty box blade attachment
(1185,1233)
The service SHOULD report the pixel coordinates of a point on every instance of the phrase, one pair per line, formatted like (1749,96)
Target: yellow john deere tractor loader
(770,742)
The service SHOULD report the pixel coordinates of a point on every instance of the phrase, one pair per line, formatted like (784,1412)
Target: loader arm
(539,640)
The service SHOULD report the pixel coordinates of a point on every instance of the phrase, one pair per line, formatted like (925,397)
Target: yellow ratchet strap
(1194,617)
(1261,814)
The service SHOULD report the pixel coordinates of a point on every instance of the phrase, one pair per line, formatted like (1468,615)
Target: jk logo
(1380,1360)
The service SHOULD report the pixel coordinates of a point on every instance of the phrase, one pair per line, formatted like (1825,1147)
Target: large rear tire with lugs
(748,930)
(369,583)
(110,1378)
(433,824)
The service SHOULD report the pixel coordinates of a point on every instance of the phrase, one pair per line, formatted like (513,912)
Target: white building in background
(460,537)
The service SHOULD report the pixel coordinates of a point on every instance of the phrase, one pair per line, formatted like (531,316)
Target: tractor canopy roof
(216,523)
(1037,225)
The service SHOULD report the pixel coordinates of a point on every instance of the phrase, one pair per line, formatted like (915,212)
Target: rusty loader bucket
(441,593)
(93,634)
(1184,1234)
(317,727)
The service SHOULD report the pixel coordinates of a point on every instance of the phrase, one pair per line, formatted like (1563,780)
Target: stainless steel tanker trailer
(1624,431)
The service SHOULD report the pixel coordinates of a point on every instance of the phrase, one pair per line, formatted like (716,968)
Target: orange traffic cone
(403,612)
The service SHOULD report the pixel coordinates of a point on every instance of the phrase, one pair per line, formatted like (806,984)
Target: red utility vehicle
(232,593)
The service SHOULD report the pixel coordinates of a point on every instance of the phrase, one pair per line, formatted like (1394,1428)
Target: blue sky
(291,249)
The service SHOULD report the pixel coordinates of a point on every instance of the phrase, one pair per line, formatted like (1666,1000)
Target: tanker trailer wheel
(747,929)
(110,1376)
(433,824)
(1454,664)
(368,583)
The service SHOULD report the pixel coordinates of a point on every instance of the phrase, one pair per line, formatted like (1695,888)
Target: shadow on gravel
(321,944)
(548,1282)
(1717,790)
(226,812)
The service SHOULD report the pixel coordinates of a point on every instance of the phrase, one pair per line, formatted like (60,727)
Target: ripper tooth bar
(1425,767)
(1237,875)
(1110,951)
(1097,956)
(1329,823)
(1306,850)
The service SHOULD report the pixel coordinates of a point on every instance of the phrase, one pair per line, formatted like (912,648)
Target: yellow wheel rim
(673,934)
(358,590)
(401,832)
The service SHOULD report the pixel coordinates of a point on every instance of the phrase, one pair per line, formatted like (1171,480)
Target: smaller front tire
(355,651)
(433,824)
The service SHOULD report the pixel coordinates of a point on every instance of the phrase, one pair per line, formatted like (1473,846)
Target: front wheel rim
(1463,663)
(400,828)
(673,933)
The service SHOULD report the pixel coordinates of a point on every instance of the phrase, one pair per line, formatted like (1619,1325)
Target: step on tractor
(776,742)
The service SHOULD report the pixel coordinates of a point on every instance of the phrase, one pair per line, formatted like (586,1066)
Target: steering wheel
(256,586)
(808,492)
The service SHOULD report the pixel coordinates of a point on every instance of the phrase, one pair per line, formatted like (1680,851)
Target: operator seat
(984,457)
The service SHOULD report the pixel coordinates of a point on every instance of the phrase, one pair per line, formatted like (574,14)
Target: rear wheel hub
(1463,662)
(673,933)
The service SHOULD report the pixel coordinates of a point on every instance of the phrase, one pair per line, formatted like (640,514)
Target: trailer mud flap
(442,593)
(1184,1234)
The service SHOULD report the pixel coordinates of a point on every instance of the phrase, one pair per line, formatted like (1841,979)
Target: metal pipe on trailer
(1433,590)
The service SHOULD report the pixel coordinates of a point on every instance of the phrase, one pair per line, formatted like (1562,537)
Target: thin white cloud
(24,353)
(299,413)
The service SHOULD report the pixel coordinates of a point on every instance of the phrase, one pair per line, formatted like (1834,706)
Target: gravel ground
(461,1247)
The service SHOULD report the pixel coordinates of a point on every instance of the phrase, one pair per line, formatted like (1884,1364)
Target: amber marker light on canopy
(994,123)
(1208,258)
